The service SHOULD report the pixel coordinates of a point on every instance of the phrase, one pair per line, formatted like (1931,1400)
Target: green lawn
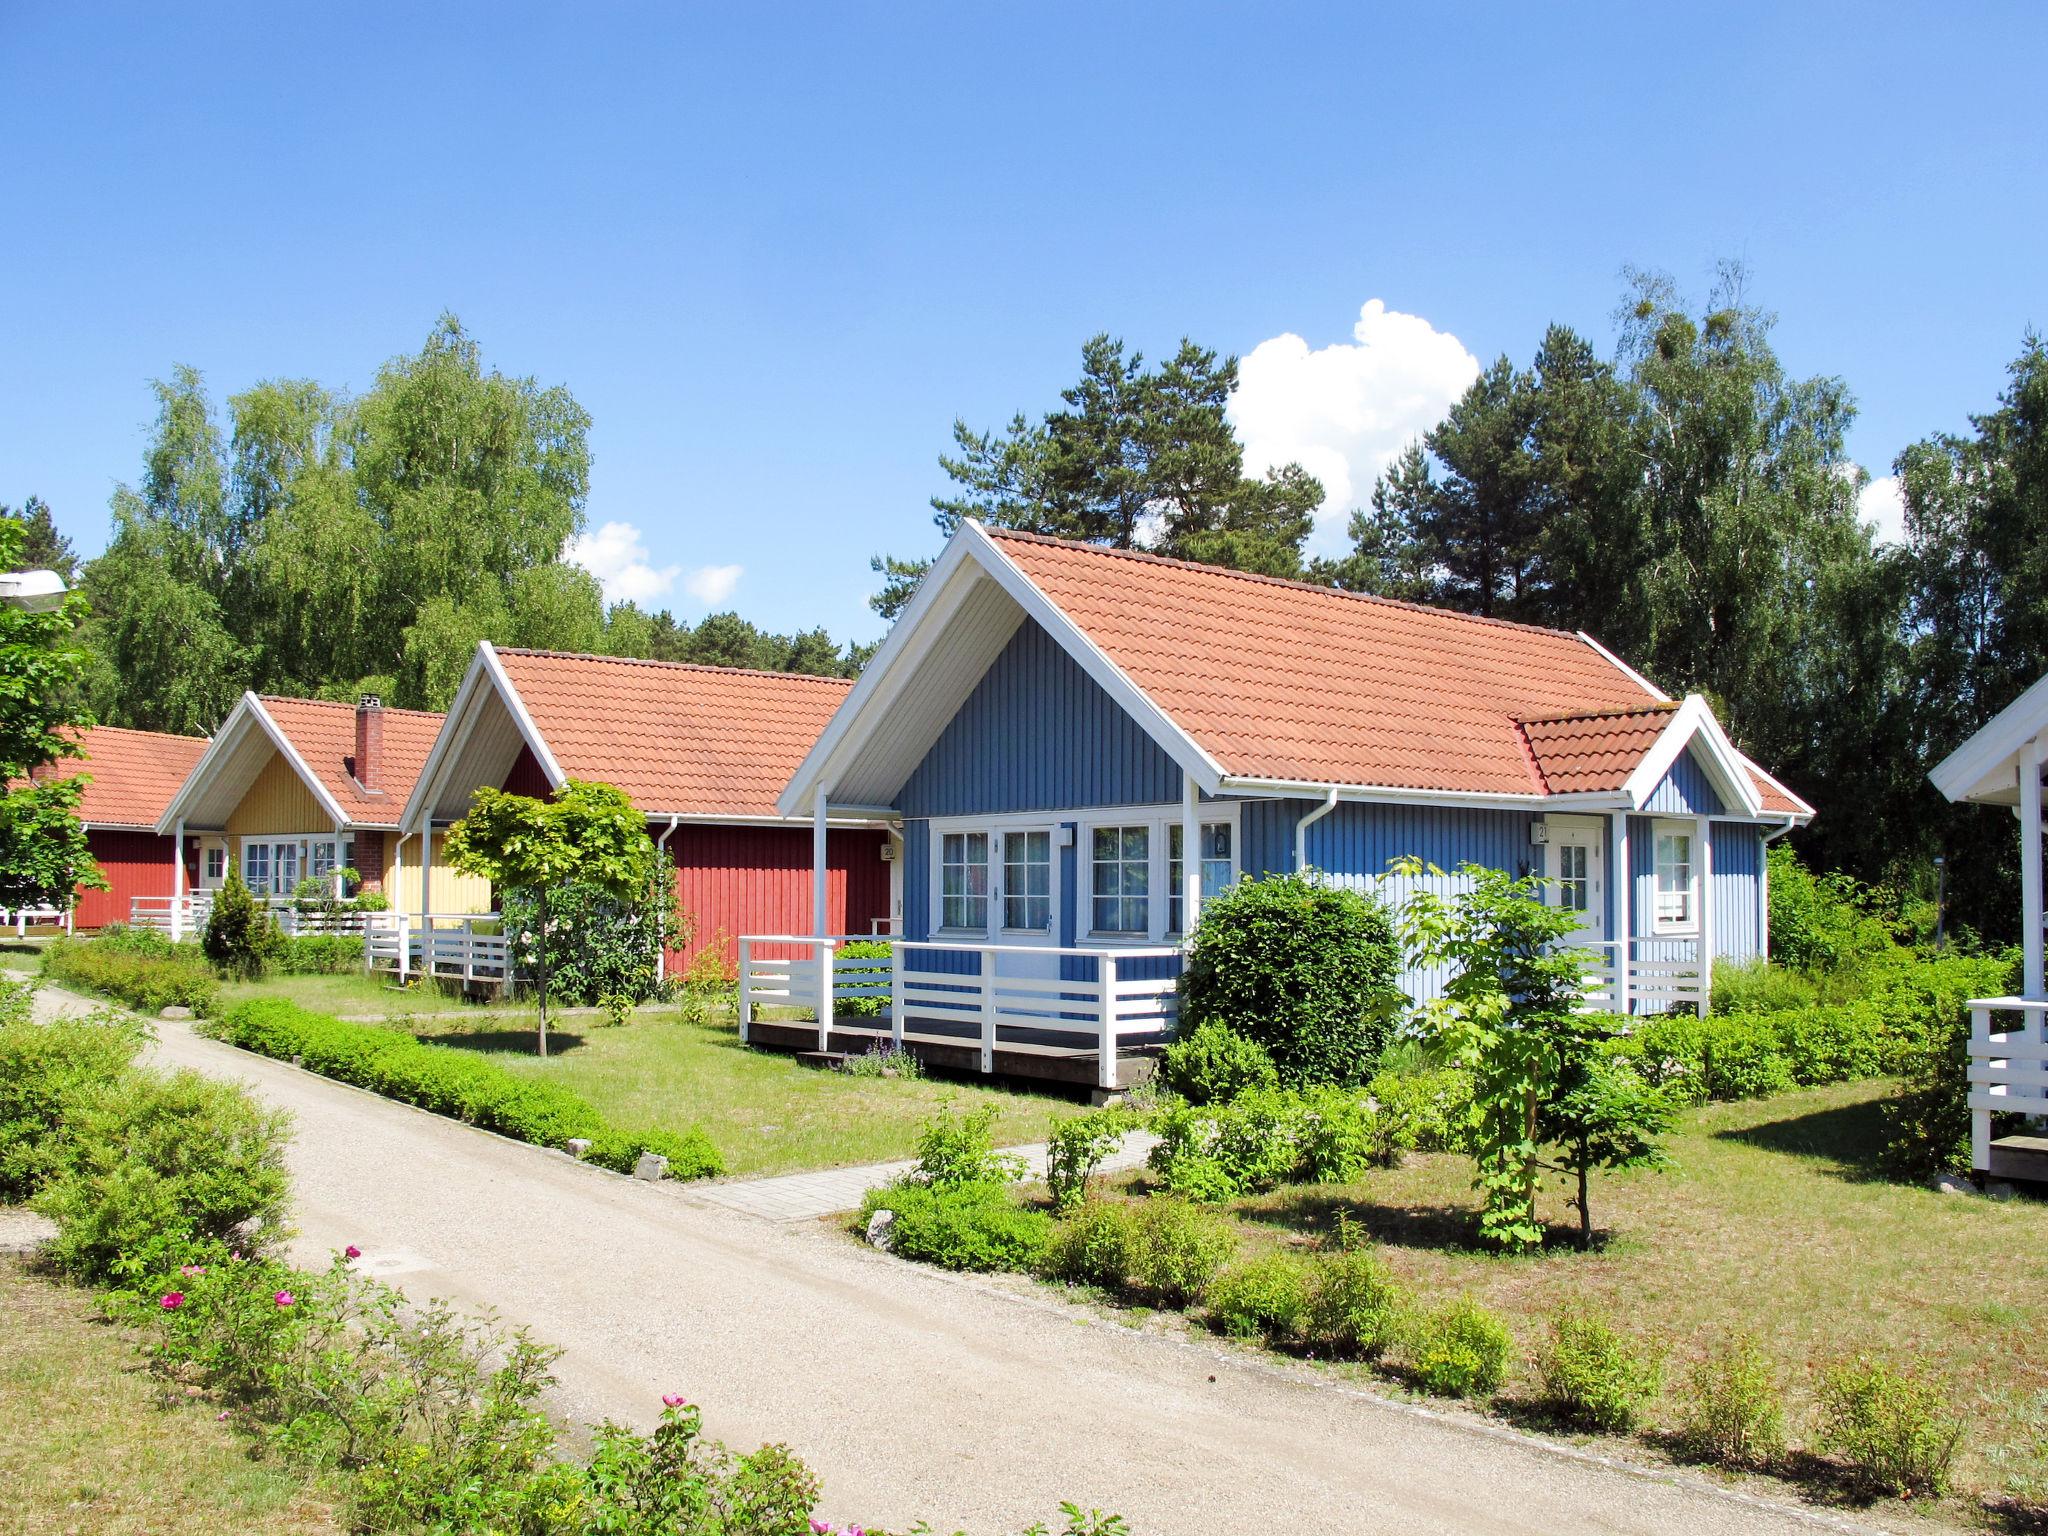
(87,1444)
(766,1113)
(360,994)
(1772,1221)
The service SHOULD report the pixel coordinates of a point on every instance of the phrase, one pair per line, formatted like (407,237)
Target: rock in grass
(579,1147)
(881,1231)
(175,1011)
(652,1166)
(1951,1184)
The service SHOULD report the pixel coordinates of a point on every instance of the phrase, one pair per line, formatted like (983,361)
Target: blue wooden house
(1079,745)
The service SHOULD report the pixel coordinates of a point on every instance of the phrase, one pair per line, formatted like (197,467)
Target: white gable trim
(917,631)
(247,715)
(1986,767)
(1627,671)
(1694,722)
(486,670)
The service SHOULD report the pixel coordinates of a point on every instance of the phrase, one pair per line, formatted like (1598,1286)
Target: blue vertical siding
(1038,734)
(1738,890)
(917,879)
(1265,835)
(1685,790)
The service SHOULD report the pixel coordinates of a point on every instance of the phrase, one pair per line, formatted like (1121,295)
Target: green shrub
(1460,1350)
(1429,1108)
(239,936)
(1592,1376)
(960,1149)
(1305,969)
(1820,923)
(1265,1297)
(1356,1308)
(1076,1146)
(875,1004)
(1159,1250)
(1760,986)
(1895,1429)
(1927,1122)
(1215,1064)
(961,1226)
(597,945)
(161,1164)
(146,976)
(317,954)
(46,1072)
(1221,1151)
(451,1082)
(1733,1412)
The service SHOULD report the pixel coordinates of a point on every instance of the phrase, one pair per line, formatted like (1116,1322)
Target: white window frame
(994,828)
(213,863)
(1150,864)
(1174,892)
(1158,907)
(302,845)
(1661,925)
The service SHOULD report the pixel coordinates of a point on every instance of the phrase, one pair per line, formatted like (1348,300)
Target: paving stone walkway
(807,1196)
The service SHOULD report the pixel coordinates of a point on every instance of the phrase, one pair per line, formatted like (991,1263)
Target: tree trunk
(1585,1206)
(543,911)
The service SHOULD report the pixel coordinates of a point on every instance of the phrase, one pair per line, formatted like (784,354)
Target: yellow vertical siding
(453,892)
(277,802)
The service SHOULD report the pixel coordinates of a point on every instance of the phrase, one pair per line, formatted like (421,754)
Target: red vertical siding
(732,881)
(526,777)
(135,864)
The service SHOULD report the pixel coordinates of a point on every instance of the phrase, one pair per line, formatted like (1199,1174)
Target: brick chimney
(370,741)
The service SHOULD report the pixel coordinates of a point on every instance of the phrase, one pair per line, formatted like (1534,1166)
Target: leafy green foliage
(1592,1376)
(1460,1349)
(160,1164)
(1215,1064)
(1264,1297)
(599,945)
(451,1082)
(146,976)
(1076,1146)
(872,1005)
(1356,1308)
(317,954)
(1733,1411)
(1601,1115)
(1305,969)
(240,935)
(1760,986)
(953,1148)
(972,1225)
(1895,1429)
(46,1073)
(1271,1136)
(1160,1250)
(1820,923)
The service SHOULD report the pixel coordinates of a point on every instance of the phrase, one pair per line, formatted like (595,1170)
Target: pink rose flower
(192,1271)
(351,1252)
(172,1301)
(674,1400)
(284,1298)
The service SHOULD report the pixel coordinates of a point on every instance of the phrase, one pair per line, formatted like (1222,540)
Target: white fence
(185,916)
(1016,998)
(464,946)
(2008,1065)
(1645,976)
(21,919)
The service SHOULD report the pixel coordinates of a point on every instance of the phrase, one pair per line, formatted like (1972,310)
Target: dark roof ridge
(1654,707)
(389,709)
(682,666)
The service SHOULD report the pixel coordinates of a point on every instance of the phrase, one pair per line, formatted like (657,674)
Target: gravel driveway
(971,1403)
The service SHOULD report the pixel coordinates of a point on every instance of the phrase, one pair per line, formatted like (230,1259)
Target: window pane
(1027,880)
(963,880)
(1121,879)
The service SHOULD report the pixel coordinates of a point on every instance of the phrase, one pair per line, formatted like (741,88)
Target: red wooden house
(132,776)
(702,752)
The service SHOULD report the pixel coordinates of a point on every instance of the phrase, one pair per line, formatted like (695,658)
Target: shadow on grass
(1445,1229)
(1846,1140)
(505,1042)
(2019,1519)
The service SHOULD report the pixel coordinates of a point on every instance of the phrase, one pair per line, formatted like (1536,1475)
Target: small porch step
(823,1060)
(2020,1157)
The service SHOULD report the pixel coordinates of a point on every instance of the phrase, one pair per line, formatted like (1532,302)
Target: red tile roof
(323,732)
(1282,680)
(678,739)
(134,774)
(1594,751)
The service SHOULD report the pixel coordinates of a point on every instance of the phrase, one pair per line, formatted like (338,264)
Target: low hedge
(455,1083)
(316,954)
(146,977)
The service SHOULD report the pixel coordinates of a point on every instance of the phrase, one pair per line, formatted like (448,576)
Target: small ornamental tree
(44,857)
(588,834)
(239,937)
(1601,1115)
(1305,969)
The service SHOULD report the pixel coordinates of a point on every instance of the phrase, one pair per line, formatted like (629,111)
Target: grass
(357,994)
(1773,1221)
(761,1109)
(85,1444)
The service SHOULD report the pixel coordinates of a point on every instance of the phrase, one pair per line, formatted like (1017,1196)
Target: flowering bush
(598,945)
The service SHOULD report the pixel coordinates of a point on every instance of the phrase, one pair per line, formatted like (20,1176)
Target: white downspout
(1301,830)
(661,939)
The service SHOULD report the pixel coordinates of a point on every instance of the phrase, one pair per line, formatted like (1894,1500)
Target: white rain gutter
(1301,830)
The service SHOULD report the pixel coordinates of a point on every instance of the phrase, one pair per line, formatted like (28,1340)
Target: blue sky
(775,251)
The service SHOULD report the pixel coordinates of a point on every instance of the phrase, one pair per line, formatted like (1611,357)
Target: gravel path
(972,1403)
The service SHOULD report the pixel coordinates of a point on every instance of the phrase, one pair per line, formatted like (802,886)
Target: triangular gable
(487,726)
(1986,767)
(228,767)
(1694,729)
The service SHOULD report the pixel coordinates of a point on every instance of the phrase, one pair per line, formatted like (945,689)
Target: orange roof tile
(1593,752)
(323,732)
(134,773)
(679,739)
(1283,680)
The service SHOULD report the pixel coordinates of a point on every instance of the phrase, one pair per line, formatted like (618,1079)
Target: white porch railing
(185,916)
(2008,1066)
(1015,998)
(459,946)
(22,918)
(1645,975)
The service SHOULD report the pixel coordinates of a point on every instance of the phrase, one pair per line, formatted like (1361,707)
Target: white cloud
(1882,506)
(1345,411)
(713,584)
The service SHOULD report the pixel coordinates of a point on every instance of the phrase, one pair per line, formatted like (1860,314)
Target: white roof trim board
(247,715)
(1986,768)
(1695,722)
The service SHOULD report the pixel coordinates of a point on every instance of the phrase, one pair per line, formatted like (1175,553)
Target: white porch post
(821,928)
(1623,885)
(394,881)
(1704,860)
(427,897)
(2031,984)
(340,884)
(1190,858)
(177,880)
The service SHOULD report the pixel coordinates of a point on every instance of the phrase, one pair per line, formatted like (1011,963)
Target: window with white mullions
(963,880)
(1574,879)
(256,867)
(1122,861)
(1216,866)
(1677,904)
(1027,881)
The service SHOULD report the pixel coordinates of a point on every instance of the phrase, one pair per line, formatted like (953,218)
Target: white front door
(1578,875)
